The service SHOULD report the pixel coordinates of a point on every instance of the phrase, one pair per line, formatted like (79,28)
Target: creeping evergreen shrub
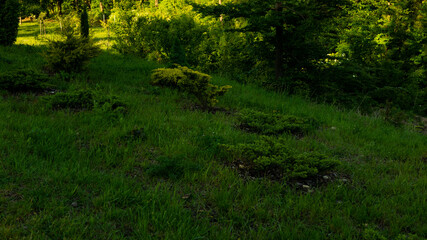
(274,156)
(24,80)
(84,100)
(273,123)
(9,13)
(190,81)
(78,100)
(71,54)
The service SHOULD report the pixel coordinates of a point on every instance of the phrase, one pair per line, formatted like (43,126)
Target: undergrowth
(84,100)
(273,156)
(192,82)
(274,123)
(24,80)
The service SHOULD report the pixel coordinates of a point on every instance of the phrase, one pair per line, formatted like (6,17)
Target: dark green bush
(190,81)
(84,100)
(273,123)
(71,54)
(9,13)
(274,156)
(23,81)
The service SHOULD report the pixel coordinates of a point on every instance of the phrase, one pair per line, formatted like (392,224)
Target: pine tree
(291,29)
(9,21)
(84,24)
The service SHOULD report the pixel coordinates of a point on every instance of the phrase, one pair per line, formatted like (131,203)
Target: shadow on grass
(21,56)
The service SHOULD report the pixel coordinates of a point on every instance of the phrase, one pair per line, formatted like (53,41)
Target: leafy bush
(167,40)
(84,100)
(9,13)
(71,54)
(273,123)
(274,156)
(24,80)
(190,81)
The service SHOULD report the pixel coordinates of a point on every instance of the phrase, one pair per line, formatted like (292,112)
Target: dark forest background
(362,54)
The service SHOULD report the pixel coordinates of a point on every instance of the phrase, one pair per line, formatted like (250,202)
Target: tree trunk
(59,6)
(279,42)
(101,7)
(221,17)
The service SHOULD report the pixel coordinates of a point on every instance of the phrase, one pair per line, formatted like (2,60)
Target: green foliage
(273,123)
(189,81)
(71,54)
(372,234)
(84,100)
(269,155)
(84,24)
(173,40)
(9,13)
(30,8)
(24,80)
(380,54)
(177,55)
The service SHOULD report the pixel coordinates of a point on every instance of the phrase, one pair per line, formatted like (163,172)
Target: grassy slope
(72,174)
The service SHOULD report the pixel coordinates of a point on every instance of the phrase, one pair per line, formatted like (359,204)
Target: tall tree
(9,21)
(84,23)
(291,28)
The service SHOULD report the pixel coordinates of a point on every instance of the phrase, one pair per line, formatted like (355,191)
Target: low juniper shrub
(274,123)
(84,100)
(77,100)
(273,156)
(189,81)
(372,234)
(24,80)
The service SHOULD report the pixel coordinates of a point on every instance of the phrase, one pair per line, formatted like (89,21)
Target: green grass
(75,175)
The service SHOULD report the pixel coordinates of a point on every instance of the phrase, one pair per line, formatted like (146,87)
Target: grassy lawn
(83,175)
